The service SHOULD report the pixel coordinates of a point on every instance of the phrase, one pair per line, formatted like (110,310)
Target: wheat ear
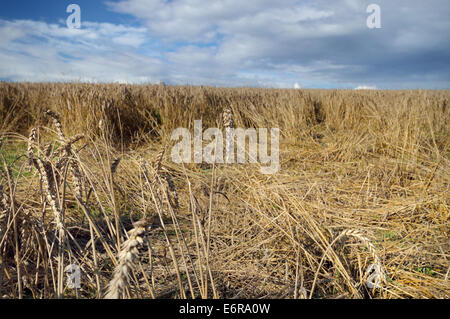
(366,241)
(57,123)
(227,118)
(228,125)
(31,141)
(127,255)
(66,150)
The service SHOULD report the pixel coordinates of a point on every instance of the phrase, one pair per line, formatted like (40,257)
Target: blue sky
(265,43)
(52,11)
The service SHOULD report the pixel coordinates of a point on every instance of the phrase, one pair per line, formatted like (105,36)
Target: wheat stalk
(49,190)
(66,151)
(4,211)
(49,175)
(162,180)
(50,181)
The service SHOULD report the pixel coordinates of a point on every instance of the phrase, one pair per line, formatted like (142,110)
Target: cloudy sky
(266,43)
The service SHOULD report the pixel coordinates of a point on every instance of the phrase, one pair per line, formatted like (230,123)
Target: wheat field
(359,207)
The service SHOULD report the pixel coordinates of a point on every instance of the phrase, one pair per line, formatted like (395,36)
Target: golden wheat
(127,256)
(366,162)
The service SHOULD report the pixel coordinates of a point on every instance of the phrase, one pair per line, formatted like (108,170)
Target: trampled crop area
(92,204)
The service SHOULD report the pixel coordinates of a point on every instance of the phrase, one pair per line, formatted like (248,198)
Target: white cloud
(37,51)
(130,39)
(297,86)
(199,21)
(366,87)
(265,36)
(233,42)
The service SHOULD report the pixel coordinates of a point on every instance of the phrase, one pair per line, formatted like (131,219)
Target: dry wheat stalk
(5,204)
(28,226)
(66,150)
(4,211)
(162,181)
(127,255)
(171,189)
(48,149)
(49,189)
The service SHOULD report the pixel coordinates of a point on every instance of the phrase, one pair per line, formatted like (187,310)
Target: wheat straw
(4,212)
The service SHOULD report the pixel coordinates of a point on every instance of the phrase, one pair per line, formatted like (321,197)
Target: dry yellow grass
(364,179)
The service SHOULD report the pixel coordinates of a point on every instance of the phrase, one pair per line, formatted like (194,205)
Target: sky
(234,43)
